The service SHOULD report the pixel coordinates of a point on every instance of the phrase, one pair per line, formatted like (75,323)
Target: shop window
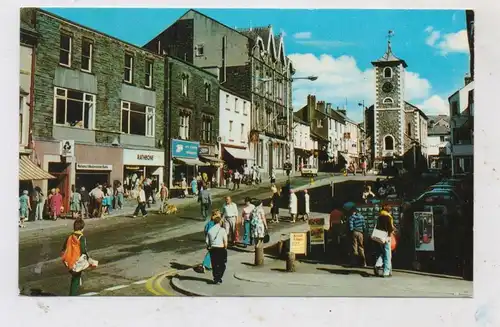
(137,119)
(74,108)
(206,129)
(87,48)
(184,126)
(389,143)
(129,68)
(65,44)
(148,83)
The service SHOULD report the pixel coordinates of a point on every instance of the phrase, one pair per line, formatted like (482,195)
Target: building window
(206,130)
(208,89)
(74,108)
(200,50)
(65,50)
(454,108)
(236,109)
(389,143)
(21,111)
(87,48)
(137,119)
(227,100)
(388,101)
(184,84)
(387,72)
(441,138)
(319,123)
(230,128)
(242,136)
(245,112)
(129,68)
(149,75)
(184,126)
(408,129)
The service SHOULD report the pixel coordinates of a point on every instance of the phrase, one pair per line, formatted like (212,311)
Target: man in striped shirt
(357,226)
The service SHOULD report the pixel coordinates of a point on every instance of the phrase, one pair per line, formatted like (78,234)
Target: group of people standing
(246,174)
(53,204)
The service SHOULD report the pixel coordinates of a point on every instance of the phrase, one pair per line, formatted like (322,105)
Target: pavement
(242,278)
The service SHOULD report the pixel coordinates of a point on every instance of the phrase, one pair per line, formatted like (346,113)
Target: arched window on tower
(388,101)
(387,72)
(389,143)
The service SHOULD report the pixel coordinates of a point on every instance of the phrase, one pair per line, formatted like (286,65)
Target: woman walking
(292,205)
(75,202)
(24,208)
(194,186)
(246,215)
(56,204)
(207,263)
(216,240)
(275,205)
(259,224)
(385,223)
(119,196)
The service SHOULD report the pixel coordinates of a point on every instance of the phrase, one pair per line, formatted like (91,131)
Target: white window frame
(92,109)
(236,109)
(197,50)
(69,52)
(388,100)
(90,58)
(131,68)
(245,111)
(393,142)
(184,126)
(206,126)
(385,69)
(184,85)
(149,131)
(149,70)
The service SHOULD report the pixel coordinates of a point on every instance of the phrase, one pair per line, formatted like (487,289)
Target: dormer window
(387,72)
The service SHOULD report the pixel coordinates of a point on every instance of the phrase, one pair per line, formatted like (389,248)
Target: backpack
(72,252)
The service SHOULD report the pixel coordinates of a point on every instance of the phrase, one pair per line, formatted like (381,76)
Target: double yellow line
(153,285)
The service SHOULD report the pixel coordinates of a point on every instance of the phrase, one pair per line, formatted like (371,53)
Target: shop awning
(191,161)
(28,171)
(212,159)
(239,153)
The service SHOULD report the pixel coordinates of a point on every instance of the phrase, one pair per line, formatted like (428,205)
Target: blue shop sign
(185,149)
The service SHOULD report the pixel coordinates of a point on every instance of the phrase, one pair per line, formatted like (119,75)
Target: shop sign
(204,150)
(143,158)
(185,149)
(84,166)
(67,148)
(317,230)
(298,243)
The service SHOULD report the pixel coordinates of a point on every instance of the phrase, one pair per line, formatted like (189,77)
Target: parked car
(309,170)
(440,195)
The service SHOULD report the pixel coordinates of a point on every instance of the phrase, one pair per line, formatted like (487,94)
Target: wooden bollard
(290,262)
(259,255)
(279,247)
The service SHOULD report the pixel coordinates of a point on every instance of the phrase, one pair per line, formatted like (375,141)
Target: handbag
(379,236)
(267,238)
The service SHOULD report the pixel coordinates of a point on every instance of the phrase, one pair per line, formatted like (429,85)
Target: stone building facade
(98,105)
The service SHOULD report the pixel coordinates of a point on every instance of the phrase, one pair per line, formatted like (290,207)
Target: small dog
(171,209)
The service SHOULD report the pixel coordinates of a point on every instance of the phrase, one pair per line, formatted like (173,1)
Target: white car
(309,170)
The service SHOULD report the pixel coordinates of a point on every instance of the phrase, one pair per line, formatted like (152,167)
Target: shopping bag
(393,242)
(379,236)
(81,264)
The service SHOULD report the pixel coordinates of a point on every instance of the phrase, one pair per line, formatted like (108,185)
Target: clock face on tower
(387,87)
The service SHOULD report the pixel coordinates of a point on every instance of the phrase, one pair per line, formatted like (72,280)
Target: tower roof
(389,56)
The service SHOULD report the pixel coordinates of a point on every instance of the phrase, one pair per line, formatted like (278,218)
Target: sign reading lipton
(85,166)
(145,157)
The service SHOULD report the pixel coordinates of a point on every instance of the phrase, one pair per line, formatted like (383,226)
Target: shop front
(212,170)
(97,165)
(141,164)
(235,157)
(89,175)
(185,162)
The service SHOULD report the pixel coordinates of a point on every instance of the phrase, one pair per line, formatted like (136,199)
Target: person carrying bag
(383,234)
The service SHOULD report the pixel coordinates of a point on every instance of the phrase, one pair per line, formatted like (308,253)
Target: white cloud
(432,38)
(447,43)
(340,78)
(435,105)
(302,35)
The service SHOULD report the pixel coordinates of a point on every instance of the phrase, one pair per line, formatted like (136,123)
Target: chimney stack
(321,106)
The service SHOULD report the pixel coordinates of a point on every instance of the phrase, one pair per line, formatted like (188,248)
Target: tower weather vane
(390,34)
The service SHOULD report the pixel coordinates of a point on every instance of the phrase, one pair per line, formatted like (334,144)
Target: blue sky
(336,45)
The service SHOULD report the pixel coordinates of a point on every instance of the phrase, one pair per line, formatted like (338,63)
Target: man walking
(229,214)
(85,202)
(357,227)
(236,179)
(205,199)
(141,203)
(216,240)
